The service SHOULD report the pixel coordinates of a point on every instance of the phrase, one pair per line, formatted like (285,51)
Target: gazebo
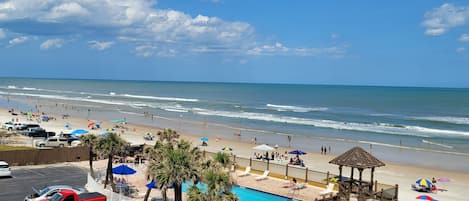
(356,158)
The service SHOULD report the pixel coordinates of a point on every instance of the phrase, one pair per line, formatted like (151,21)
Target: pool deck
(275,186)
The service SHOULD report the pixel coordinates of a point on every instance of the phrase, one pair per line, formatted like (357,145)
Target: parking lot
(17,187)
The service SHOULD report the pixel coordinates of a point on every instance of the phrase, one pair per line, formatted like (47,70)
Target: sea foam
(283,108)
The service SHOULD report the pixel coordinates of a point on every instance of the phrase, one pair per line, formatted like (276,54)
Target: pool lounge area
(245,194)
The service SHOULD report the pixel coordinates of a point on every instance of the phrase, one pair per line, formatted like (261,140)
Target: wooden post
(234,158)
(306,175)
(327,178)
(340,172)
(371,180)
(286,171)
(396,192)
(376,185)
(381,195)
(268,163)
(250,162)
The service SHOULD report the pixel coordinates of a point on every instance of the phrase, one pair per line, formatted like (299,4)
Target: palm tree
(110,146)
(167,135)
(180,163)
(223,159)
(218,187)
(90,140)
(154,155)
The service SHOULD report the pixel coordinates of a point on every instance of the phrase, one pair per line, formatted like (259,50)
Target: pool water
(244,194)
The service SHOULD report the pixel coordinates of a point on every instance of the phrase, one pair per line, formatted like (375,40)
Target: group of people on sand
(324,150)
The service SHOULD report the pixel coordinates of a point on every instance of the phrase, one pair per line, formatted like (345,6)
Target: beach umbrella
(424,182)
(263,147)
(123,170)
(444,179)
(68,126)
(79,132)
(110,129)
(425,197)
(204,139)
(297,152)
(227,148)
(91,124)
(152,184)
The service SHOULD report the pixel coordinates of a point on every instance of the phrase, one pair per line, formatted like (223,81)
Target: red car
(68,195)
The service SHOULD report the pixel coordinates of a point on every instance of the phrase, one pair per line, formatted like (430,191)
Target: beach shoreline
(393,173)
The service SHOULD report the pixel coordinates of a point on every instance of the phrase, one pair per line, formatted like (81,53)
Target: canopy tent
(263,147)
(123,170)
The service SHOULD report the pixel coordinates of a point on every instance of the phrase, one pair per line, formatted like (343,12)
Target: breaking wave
(283,108)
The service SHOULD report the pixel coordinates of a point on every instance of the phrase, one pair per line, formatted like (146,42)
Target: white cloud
(52,43)
(440,20)
(460,49)
(3,34)
(464,38)
(138,23)
(97,45)
(145,50)
(18,40)
(334,36)
(280,49)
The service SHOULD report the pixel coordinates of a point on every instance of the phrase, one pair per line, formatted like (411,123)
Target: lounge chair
(328,190)
(246,172)
(264,176)
(289,184)
(299,186)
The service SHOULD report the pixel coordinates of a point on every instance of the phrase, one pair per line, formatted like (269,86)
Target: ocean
(434,120)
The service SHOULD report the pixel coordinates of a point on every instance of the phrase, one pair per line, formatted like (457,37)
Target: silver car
(5,170)
(47,192)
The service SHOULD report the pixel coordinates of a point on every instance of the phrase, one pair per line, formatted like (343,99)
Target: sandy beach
(392,173)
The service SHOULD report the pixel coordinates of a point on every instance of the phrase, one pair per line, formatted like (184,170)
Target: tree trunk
(111,176)
(147,194)
(177,192)
(91,162)
(163,193)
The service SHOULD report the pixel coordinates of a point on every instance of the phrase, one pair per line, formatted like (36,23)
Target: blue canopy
(79,132)
(123,170)
(297,152)
(204,139)
(152,184)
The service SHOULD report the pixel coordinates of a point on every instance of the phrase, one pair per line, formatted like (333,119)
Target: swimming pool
(244,194)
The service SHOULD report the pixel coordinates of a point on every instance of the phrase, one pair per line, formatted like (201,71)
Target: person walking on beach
(322,150)
(325,150)
(329,148)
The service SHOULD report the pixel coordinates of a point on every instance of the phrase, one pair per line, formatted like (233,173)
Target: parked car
(5,170)
(38,132)
(68,195)
(27,126)
(11,125)
(47,192)
(54,141)
(69,137)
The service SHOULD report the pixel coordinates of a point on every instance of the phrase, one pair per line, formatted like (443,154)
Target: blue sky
(398,43)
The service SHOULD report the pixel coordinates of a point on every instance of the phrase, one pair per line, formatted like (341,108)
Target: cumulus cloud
(464,38)
(280,49)
(3,34)
(440,20)
(18,40)
(52,43)
(97,45)
(139,23)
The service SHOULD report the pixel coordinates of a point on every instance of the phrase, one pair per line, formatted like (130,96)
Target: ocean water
(432,119)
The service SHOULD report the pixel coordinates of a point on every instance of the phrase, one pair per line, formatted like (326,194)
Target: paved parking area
(24,178)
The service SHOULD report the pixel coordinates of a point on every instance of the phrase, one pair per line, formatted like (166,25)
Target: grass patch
(13,148)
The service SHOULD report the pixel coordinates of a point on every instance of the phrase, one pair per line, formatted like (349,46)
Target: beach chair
(300,186)
(328,190)
(263,176)
(246,172)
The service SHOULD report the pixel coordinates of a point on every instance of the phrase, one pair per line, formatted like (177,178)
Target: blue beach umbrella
(79,132)
(123,170)
(297,152)
(152,184)
(204,139)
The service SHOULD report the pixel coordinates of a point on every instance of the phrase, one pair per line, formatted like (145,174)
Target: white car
(5,170)
(47,192)
(11,125)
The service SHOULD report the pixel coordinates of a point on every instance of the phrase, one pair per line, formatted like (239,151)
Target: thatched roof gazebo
(360,159)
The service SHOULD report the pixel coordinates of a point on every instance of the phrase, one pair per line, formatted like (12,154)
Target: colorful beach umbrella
(78,132)
(425,197)
(204,139)
(226,148)
(152,184)
(91,124)
(123,170)
(424,182)
(297,152)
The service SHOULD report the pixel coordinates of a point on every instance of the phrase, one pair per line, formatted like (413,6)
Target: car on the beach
(54,141)
(5,170)
(28,126)
(11,125)
(38,132)
(47,192)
